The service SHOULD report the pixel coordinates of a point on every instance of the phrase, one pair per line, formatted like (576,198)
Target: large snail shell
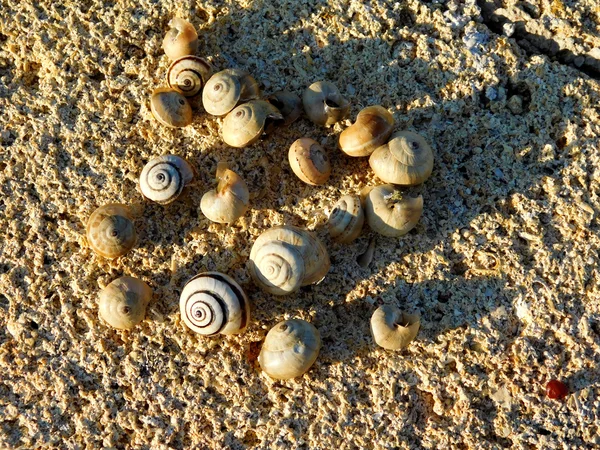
(324,104)
(163,178)
(309,161)
(392,329)
(290,349)
(346,219)
(285,258)
(229,201)
(170,108)
(213,303)
(123,302)
(288,104)
(227,89)
(248,122)
(373,126)
(110,230)
(406,159)
(188,74)
(390,213)
(181,39)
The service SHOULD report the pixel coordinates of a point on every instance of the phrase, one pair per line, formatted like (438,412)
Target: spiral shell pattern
(188,74)
(280,267)
(226,89)
(245,124)
(110,231)
(346,219)
(163,178)
(122,304)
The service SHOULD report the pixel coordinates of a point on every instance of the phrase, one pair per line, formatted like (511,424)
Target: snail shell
(346,219)
(110,230)
(392,329)
(229,201)
(123,302)
(373,126)
(290,349)
(309,161)
(181,39)
(213,303)
(285,258)
(406,159)
(188,74)
(324,104)
(163,178)
(389,213)
(227,89)
(288,104)
(170,108)
(248,122)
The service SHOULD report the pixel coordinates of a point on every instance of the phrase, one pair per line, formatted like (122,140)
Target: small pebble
(556,389)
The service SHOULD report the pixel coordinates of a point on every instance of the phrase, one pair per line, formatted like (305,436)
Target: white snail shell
(347,219)
(229,201)
(373,126)
(323,103)
(122,304)
(248,122)
(290,349)
(285,258)
(390,213)
(392,329)
(181,39)
(213,303)
(110,230)
(227,89)
(170,108)
(309,161)
(188,74)
(163,178)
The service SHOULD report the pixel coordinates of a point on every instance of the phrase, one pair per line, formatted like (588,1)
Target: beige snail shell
(163,178)
(122,304)
(392,329)
(170,108)
(406,159)
(389,213)
(227,89)
(288,103)
(248,122)
(323,103)
(213,303)
(290,349)
(110,230)
(309,161)
(180,40)
(285,258)
(373,126)
(347,219)
(188,74)
(229,201)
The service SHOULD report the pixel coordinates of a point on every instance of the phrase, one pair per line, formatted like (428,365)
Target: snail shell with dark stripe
(188,74)
(163,178)
(213,303)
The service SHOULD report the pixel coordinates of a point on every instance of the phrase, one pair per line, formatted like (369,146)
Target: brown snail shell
(110,230)
(373,126)
(188,74)
(248,122)
(392,329)
(229,201)
(323,103)
(123,302)
(390,213)
(181,39)
(170,108)
(288,103)
(309,161)
(347,219)
(227,89)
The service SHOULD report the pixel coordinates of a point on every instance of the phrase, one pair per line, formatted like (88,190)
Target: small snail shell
(290,349)
(406,159)
(170,108)
(227,89)
(248,122)
(392,329)
(181,39)
(123,302)
(285,258)
(309,161)
(324,104)
(229,201)
(288,104)
(163,178)
(347,219)
(110,230)
(389,213)
(213,303)
(188,74)
(373,126)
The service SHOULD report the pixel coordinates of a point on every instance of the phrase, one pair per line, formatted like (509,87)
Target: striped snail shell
(110,230)
(188,74)
(346,219)
(163,178)
(213,303)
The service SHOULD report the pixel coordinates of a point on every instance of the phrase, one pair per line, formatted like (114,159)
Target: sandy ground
(502,266)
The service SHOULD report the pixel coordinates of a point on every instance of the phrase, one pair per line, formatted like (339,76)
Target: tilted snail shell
(181,39)
(229,201)
(163,178)
(123,302)
(309,161)
(248,122)
(392,329)
(188,74)
(373,126)
(391,214)
(285,258)
(213,303)
(288,103)
(347,219)
(227,89)
(170,108)
(323,103)
(110,231)
(290,349)
(406,159)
